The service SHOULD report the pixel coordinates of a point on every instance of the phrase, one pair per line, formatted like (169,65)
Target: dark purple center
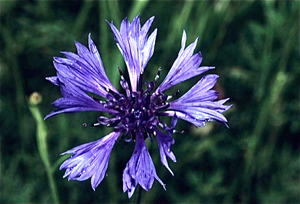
(135,111)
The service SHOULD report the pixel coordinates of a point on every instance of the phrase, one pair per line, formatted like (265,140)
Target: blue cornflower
(135,113)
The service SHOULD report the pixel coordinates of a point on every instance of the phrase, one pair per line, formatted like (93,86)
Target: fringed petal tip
(134,44)
(226,125)
(183,39)
(165,140)
(53,79)
(53,113)
(90,160)
(140,169)
(185,66)
(92,47)
(48,116)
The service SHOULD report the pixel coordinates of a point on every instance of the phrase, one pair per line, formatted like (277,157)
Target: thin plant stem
(139,194)
(41,136)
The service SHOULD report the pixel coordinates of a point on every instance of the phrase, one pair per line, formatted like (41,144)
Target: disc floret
(136,110)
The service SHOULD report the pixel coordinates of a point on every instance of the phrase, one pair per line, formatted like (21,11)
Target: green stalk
(41,137)
(139,194)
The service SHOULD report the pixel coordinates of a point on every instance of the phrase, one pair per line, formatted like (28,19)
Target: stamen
(140,82)
(173,95)
(121,74)
(149,136)
(115,95)
(109,121)
(96,99)
(127,137)
(124,83)
(178,132)
(164,106)
(161,125)
(91,125)
(161,99)
(157,75)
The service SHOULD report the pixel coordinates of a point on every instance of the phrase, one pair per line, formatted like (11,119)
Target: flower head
(135,112)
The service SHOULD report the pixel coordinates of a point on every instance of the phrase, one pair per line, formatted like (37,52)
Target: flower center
(136,110)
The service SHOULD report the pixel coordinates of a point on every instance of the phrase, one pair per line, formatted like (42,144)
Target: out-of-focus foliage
(254,46)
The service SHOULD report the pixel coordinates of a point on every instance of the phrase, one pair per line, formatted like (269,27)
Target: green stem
(41,136)
(139,194)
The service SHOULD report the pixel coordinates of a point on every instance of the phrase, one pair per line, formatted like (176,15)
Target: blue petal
(184,67)
(197,105)
(202,113)
(85,81)
(84,70)
(201,91)
(90,160)
(140,168)
(184,116)
(135,46)
(165,140)
(54,80)
(75,100)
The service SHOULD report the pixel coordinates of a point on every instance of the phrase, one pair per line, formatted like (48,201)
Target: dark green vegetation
(254,46)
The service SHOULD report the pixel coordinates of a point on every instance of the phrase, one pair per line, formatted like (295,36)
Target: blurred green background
(254,46)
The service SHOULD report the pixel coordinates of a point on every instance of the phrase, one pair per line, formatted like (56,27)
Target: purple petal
(82,80)
(184,67)
(140,168)
(165,140)
(54,80)
(184,116)
(203,114)
(84,70)
(135,46)
(90,160)
(75,100)
(197,105)
(201,91)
